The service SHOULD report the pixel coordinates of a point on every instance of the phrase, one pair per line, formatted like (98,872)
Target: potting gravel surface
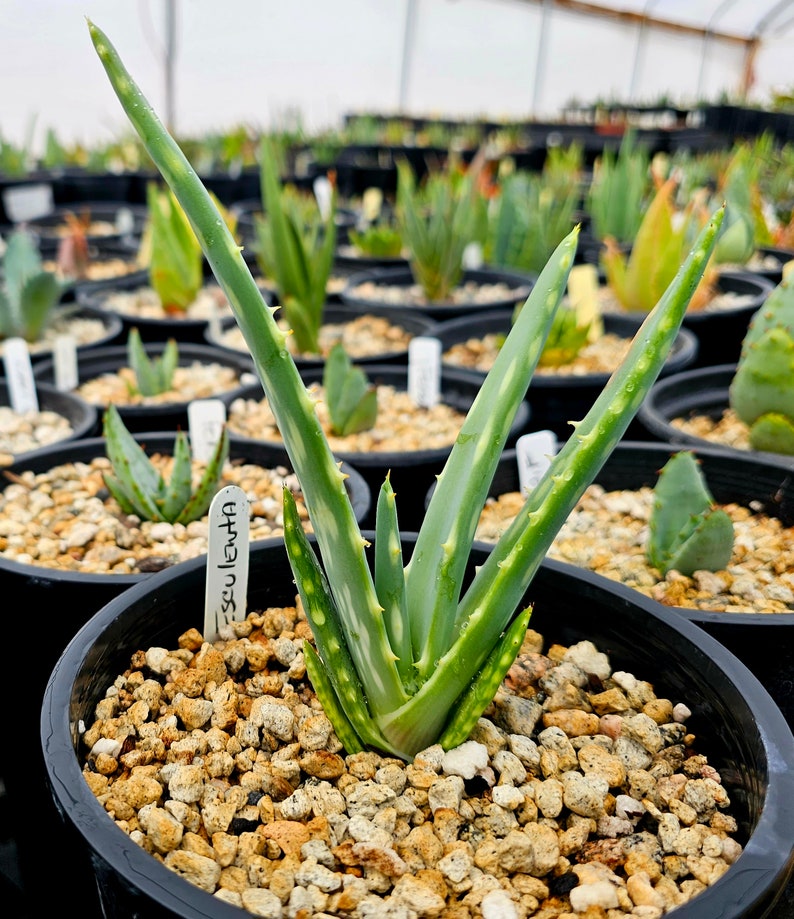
(401,425)
(21,432)
(65,519)
(607,533)
(579,791)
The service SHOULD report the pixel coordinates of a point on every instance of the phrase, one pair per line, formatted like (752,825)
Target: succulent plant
(28,292)
(405,656)
(687,532)
(381,239)
(140,488)
(437,220)
(153,375)
(761,392)
(171,250)
(619,190)
(352,400)
(662,240)
(296,250)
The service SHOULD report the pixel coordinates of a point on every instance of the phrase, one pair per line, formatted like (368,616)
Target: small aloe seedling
(141,489)
(153,375)
(352,400)
(761,392)
(172,252)
(297,251)
(687,532)
(28,292)
(406,656)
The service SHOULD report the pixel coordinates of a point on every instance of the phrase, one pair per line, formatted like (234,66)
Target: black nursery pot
(127,220)
(692,392)
(518,284)
(411,473)
(167,416)
(760,640)
(720,333)
(62,602)
(737,724)
(413,323)
(556,399)
(82,417)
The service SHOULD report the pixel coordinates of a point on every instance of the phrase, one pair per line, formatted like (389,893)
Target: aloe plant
(352,400)
(528,219)
(381,239)
(297,251)
(687,531)
(662,240)
(28,292)
(761,391)
(405,656)
(153,375)
(140,488)
(437,221)
(619,190)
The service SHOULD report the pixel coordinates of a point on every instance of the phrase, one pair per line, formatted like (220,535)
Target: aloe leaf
(482,690)
(39,295)
(773,433)
(706,544)
(390,581)
(331,644)
(134,476)
(324,691)
(207,488)
(178,490)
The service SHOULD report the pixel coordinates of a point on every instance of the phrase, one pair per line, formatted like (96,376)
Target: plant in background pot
(440,219)
(725,300)
(743,406)
(747,604)
(400,665)
(153,383)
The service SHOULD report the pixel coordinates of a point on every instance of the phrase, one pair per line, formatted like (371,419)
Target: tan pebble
(642,892)
(574,723)
(638,862)
(611,725)
(610,701)
(196,869)
(384,860)
(686,814)
(289,835)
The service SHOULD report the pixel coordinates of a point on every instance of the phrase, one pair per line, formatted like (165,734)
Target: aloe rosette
(153,375)
(405,658)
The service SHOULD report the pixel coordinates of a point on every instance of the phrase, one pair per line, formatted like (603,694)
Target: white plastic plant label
(125,221)
(424,370)
(64,359)
(19,376)
(371,204)
(226,590)
(472,257)
(27,202)
(323,193)
(205,418)
(214,322)
(534,453)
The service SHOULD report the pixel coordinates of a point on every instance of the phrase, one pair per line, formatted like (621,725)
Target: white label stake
(323,192)
(534,453)
(227,560)
(205,418)
(424,370)
(19,375)
(64,356)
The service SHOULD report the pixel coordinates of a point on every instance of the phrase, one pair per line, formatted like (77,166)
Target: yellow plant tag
(788,267)
(583,296)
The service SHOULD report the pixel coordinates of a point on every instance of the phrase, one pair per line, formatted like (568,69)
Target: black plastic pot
(720,332)
(781,256)
(736,723)
(556,399)
(46,229)
(166,416)
(82,417)
(760,640)
(184,328)
(519,286)
(338,313)
(411,472)
(693,392)
(63,601)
